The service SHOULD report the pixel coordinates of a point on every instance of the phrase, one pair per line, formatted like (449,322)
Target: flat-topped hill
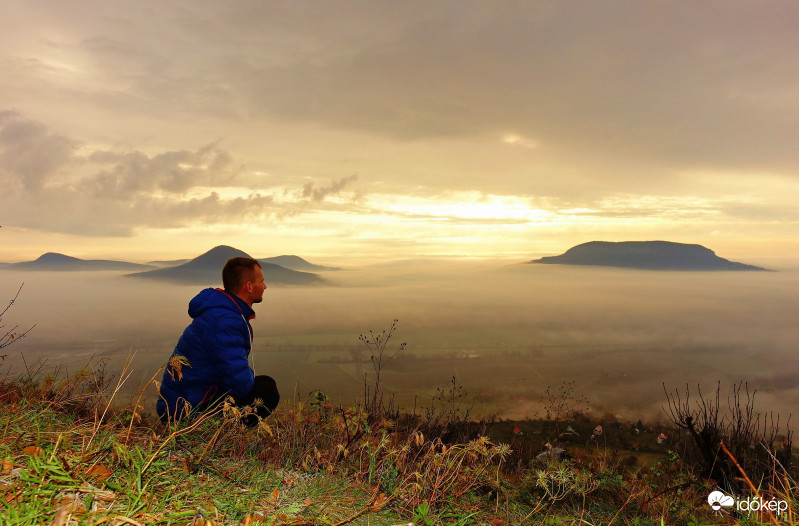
(649,255)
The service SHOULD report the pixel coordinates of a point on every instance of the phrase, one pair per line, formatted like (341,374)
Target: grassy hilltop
(73,456)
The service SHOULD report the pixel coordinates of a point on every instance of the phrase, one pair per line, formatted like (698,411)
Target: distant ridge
(649,255)
(168,263)
(207,269)
(296,263)
(61,262)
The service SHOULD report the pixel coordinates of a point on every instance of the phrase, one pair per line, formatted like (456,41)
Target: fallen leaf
(379,502)
(252,519)
(275,496)
(7,467)
(308,502)
(34,451)
(289,482)
(99,472)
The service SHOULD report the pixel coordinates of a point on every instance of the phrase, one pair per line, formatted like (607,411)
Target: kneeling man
(210,360)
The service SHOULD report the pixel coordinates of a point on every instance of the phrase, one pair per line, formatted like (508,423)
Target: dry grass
(70,456)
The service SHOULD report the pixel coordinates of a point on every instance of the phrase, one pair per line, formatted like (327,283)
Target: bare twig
(10,336)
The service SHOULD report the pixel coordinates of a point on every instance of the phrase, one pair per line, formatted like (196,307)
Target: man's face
(257,286)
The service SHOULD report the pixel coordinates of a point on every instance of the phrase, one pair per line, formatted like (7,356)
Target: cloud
(518,140)
(313,197)
(113,193)
(173,172)
(107,53)
(784,213)
(615,97)
(678,85)
(612,90)
(32,155)
(319,194)
(210,209)
(29,152)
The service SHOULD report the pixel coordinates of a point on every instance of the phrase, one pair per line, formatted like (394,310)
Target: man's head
(244,278)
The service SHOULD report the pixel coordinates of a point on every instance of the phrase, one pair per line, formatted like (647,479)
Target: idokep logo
(718,500)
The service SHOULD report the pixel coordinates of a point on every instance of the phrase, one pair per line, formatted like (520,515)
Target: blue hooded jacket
(216,345)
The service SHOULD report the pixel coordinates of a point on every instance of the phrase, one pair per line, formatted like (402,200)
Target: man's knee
(265,388)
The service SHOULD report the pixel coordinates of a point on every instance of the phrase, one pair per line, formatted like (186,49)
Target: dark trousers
(265,390)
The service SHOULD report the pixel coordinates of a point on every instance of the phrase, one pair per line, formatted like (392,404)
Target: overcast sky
(372,130)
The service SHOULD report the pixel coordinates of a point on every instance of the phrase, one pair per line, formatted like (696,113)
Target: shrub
(752,439)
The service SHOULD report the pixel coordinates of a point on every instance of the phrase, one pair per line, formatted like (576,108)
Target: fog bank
(506,332)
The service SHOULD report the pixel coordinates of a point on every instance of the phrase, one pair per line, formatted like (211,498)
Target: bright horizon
(362,131)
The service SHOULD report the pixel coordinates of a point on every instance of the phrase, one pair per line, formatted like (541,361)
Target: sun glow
(471,206)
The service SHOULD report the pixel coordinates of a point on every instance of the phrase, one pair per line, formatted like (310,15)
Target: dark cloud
(681,84)
(664,83)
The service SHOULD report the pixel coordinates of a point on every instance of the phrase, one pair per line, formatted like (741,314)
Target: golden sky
(365,130)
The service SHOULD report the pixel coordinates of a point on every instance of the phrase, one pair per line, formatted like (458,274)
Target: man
(210,360)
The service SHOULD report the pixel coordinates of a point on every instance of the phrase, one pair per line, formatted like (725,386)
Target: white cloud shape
(718,499)
(518,140)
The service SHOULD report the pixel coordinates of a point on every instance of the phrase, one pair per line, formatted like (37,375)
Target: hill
(289,262)
(296,263)
(207,269)
(61,262)
(649,255)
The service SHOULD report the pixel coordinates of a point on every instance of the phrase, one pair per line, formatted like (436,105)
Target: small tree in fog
(377,343)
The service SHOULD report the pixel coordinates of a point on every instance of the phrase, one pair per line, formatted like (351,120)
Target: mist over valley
(504,331)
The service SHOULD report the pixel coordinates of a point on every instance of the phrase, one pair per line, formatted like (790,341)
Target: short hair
(236,272)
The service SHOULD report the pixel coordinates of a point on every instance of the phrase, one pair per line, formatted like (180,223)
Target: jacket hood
(216,299)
